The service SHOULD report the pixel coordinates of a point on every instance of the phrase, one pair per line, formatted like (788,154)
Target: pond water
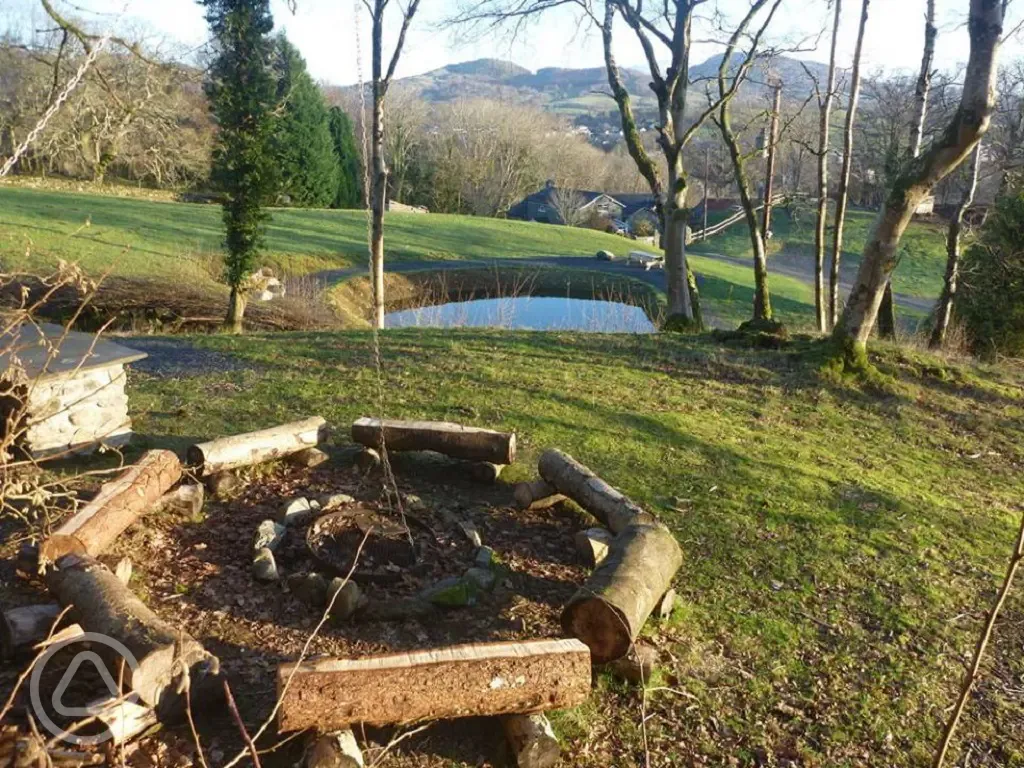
(539,313)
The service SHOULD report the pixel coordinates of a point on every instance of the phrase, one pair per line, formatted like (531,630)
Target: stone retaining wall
(78,411)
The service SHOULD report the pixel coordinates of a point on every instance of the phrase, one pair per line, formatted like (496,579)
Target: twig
(396,741)
(192,727)
(241,726)
(979,651)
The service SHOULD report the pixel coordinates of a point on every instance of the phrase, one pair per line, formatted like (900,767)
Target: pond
(538,313)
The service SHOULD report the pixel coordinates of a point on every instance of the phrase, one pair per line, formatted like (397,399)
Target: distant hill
(585,91)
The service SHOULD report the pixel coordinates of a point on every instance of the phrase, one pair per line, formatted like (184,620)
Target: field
(841,544)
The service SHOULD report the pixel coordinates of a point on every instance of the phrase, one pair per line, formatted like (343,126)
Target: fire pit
(387,552)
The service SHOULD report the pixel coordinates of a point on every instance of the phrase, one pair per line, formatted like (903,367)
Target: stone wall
(78,411)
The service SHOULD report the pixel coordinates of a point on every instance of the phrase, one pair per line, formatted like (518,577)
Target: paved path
(655,277)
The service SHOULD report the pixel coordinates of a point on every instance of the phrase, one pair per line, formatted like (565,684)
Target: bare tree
(569,204)
(949,150)
(844,180)
(954,236)
(379,169)
(730,81)
(405,115)
(826,97)
(887,312)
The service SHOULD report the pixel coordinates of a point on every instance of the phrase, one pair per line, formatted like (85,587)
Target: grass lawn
(841,545)
(178,244)
(923,249)
(143,238)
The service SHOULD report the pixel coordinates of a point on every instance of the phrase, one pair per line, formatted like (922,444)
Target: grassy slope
(918,274)
(148,238)
(840,545)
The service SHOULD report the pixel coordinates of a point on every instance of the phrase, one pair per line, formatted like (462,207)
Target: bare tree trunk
(944,308)
(968,125)
(887,312)
(762,298)
(236,310)
(680,304)
(379,175)
(844,179)
(773,145)
(824,127)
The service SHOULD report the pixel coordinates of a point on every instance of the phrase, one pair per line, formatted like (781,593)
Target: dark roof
(631,203)
(79,351)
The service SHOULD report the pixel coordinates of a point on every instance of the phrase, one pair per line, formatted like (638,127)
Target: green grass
(923,250)
(841,545)
(139,238)
(143,238)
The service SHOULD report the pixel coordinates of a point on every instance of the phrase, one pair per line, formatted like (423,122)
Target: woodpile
(403,688)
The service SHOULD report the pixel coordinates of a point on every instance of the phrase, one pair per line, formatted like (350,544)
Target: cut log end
(604,627)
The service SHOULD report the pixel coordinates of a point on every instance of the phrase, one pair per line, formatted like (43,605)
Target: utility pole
(773,140)
(707,177)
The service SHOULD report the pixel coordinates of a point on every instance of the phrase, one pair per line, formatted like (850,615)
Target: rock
(296,512)
(332,501)
(368,460)
(224,484)
(484,557)
(308,458)
(592,545)
(666,605)
(452,592)
(268,535)
(414,503)
(310,588)
(263,566)
(483,578)
(123,570)
(471,533)
(184,500)
(637,666)
(604,256)
(349,598)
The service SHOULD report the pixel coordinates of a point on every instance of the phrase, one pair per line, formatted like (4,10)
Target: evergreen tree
(241,90)
(303,147)
(350,183)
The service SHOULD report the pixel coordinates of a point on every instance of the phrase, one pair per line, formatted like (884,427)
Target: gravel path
(178,358)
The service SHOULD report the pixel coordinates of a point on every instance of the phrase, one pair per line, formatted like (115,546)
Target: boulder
(269,535)
(604,256)
(264,568)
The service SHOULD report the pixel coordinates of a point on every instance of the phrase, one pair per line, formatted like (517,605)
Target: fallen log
(485,471)
(163,653)
(335,750)
(454,440)
(616,511)
(402,688)
(532,741)
(123,720)
(255,447)
(536,494)
(608,612)
(118,504)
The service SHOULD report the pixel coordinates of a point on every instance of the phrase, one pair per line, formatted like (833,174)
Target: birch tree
(918,179)
(843,197)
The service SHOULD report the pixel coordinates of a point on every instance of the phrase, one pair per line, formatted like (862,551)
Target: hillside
(584,93)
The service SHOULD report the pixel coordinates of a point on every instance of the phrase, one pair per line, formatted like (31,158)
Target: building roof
(631,203)
(78,351)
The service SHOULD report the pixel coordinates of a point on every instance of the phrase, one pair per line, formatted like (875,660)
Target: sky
(333,35)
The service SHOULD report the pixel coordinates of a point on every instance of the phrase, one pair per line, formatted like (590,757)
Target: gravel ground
(178,358)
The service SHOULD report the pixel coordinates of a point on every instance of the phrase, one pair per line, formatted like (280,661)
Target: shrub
(990,303)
